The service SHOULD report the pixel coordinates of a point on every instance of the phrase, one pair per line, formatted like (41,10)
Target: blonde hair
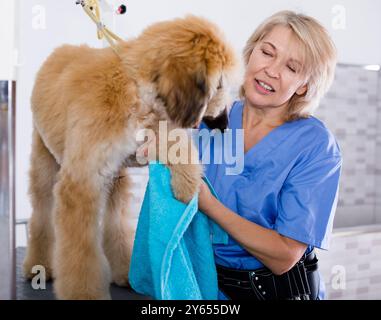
(319,62)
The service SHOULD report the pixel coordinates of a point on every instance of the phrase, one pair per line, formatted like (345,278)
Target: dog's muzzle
(220,122)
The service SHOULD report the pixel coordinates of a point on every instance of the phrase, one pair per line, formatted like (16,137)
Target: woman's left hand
(205,198)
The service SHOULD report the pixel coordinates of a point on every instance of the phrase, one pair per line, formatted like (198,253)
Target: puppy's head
(190,64)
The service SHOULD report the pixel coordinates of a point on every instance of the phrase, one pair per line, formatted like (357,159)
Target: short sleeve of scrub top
(287,182)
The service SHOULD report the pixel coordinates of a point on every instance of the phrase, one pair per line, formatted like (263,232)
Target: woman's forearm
(275,251)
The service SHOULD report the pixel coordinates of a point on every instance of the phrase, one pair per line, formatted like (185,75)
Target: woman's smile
(263,88)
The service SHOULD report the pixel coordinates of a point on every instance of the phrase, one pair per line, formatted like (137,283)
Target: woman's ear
(302,90)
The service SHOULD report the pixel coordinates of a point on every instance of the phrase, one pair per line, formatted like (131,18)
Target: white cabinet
(7,195)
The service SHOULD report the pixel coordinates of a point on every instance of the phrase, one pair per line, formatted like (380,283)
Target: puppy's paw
(185,181)
(78,287)
(81,276)
(64,292)
(121,280)
(32,268)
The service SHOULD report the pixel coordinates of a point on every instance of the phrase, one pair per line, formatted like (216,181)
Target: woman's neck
(268,118)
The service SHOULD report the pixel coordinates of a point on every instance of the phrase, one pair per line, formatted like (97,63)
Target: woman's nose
(273,70)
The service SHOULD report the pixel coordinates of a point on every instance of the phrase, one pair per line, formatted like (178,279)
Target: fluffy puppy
(88,105)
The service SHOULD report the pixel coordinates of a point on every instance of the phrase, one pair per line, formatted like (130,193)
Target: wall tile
(352,111)
(354,215)
(359,256)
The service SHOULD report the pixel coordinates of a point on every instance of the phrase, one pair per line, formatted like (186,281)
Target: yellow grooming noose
(91,7)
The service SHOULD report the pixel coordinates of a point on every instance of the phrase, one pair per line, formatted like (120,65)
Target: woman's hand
(205,198)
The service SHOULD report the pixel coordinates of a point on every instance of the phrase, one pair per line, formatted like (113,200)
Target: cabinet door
(7,200)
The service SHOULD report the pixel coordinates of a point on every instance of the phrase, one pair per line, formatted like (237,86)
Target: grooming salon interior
(351,110)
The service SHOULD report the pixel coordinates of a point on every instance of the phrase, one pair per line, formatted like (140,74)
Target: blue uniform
(289,183)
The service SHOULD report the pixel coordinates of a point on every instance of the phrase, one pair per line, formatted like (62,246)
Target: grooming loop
(91,7)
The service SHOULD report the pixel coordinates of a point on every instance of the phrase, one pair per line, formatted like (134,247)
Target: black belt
(299,283)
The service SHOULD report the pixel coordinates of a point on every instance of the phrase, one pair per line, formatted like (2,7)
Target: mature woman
(282,204)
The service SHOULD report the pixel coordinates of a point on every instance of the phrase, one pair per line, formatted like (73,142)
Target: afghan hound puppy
(88,105)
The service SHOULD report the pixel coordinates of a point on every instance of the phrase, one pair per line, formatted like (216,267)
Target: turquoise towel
(172,257)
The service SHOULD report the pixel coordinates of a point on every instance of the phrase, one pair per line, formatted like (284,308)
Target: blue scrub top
(289,183)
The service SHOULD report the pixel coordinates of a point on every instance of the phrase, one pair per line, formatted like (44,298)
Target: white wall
(45,24)
(7,38)
(359,42)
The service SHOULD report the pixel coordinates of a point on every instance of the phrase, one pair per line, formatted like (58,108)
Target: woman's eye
(292,69)
(266,53)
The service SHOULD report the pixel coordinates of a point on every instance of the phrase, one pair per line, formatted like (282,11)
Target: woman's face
(275,71)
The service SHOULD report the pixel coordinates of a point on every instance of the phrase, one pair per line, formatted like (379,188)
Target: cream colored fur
(88,105)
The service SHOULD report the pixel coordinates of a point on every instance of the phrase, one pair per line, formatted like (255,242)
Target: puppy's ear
(184,90)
